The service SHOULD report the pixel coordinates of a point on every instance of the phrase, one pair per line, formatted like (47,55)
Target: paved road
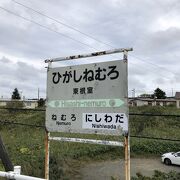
(106,170)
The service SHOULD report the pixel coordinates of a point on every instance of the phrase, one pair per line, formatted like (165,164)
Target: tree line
(158,94)
(19,104)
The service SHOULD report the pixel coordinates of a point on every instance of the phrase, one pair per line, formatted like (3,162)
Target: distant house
(28,104)
(177,97)
(151,102)
(3,102)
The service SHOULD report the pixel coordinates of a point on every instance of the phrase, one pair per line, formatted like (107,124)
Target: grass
(25,145)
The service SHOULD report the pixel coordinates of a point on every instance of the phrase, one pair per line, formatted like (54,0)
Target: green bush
(158,175)
(154,147)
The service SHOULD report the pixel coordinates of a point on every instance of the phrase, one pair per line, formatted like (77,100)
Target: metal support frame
(91,141)
(100,53)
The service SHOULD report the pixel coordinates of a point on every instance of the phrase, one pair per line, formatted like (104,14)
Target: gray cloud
(120,23)
(160,42)
(23,76)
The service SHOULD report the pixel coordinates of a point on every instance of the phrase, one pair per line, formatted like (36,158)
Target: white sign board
(89,98)
(103,121)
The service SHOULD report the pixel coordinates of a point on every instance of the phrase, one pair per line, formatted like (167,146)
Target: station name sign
(89,98)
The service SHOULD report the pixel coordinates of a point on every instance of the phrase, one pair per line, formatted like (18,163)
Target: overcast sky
(151,27)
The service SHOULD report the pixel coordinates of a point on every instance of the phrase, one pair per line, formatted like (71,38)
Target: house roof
(8,100)
(177,95)
(153,100)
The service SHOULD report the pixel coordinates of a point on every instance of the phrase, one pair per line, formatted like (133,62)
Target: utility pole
(38,94)
(133,93)
(8,166)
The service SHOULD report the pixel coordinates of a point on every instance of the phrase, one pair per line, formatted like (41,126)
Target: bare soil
(107,170)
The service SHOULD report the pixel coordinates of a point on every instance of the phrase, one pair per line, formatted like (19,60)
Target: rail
(16,174)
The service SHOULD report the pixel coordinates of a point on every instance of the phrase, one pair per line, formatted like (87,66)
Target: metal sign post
(47,144)
(91,99)
(126,134)
(127,170)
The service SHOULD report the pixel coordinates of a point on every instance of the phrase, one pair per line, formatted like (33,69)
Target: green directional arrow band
(86,103)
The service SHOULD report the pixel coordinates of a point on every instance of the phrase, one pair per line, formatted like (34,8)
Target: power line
(152,64)
(21,109)
(45,27)
(152,114)
(5,122)
(130,113)
(155,138)
(66,25)
(71,27)
(83,33)
(152,70)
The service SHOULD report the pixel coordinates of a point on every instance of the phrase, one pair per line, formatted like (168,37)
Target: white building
(177,97)
(28,104)
(151,102)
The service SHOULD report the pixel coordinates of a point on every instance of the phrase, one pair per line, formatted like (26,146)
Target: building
(28,104)
(151,102)
(177,97)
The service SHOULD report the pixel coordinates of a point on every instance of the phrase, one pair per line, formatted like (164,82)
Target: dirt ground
(108,169)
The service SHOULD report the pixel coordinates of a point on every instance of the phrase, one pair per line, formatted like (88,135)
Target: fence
(16,174)
(11,122)
(140,119)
